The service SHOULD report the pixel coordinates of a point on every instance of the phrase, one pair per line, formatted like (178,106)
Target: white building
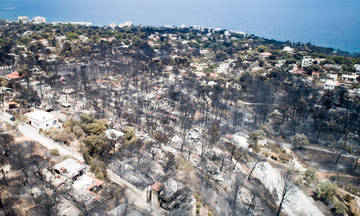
(265,55)
(44,42)
(38,20)
(72,23)
(330,85)
(307,61)
(333,77)
(23,19)
(60,38)
(70,168)
(204,52)
(125,24)
(349,78)
(83,38)
(357,67)
(41,119)
(112,25)
(84,189)
(288,49)
(113,134)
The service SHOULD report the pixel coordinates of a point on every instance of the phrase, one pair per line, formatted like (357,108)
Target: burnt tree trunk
(222,163)
(338,158)
(280,206)
(252,170)
(356,163)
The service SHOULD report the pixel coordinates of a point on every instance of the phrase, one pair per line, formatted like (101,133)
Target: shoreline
(199,27)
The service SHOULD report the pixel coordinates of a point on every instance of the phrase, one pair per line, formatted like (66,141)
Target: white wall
(43,125)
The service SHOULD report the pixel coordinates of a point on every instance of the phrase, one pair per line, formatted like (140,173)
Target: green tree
(129,135)
(97,146)
(253,138)
(340,208)
(299,140)
(70,122)
(309,175)
(99,168)
(87,118)
(97,127)
(325,191)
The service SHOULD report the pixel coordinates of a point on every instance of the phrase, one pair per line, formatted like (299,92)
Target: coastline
(199,27)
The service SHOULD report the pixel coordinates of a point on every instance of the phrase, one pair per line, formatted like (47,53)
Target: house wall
(306,62)
(43,125)
(329,87)
(155,198)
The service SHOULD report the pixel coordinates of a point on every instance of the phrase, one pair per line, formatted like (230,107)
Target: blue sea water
(329,23)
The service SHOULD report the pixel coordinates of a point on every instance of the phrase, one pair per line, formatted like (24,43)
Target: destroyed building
(171,195)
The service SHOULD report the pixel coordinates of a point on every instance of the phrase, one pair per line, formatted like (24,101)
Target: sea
(327,23)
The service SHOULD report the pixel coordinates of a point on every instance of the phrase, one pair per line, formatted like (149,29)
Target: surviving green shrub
(309,175)
(54,152)
(340,208)
(325,191)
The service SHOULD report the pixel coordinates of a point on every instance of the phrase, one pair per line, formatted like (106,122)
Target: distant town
(140,120)
(39,20)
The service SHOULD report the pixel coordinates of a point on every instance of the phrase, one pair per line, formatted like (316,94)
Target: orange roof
(298,72)
(107,39)
(213,75)
(157,186)
(12,103)
(14,75)
(229,136)
(266,54)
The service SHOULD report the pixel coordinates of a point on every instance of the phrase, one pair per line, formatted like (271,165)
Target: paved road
(319,148)
(323,149)
(32,133)
(135,196)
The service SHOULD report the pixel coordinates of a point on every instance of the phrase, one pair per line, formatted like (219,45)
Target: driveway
(32,133)
(136,197)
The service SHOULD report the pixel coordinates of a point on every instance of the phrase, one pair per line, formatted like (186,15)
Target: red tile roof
(213,75)
(229,136)
(12,103)
(157,186)
(14,75)
(267,54)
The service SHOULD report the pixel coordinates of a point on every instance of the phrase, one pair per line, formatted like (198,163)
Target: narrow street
(32,133)
(135,196)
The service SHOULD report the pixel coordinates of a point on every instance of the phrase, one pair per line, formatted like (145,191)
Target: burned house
(70,169)
(84,188)
(170,195)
